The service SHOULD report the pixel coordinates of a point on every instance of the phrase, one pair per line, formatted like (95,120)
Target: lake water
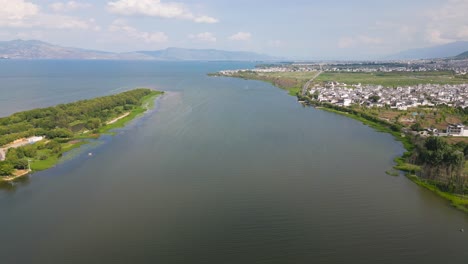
(222,171)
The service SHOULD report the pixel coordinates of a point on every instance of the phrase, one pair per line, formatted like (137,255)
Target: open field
(392,79)
(293,81)
(289,81)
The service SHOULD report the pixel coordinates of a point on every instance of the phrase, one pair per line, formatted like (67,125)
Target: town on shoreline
(422,103)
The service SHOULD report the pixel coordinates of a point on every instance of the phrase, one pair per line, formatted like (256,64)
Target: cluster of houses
(400,98)
(265,70)
(458,67)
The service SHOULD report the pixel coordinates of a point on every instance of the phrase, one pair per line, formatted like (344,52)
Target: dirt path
(306,86)
(117,118)
(16,174)
(2,154)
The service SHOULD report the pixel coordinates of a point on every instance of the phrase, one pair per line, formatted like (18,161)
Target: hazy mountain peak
(463,55)
(174,53)
(439,51)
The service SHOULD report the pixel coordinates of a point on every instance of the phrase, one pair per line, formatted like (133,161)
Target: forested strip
(62,120)
(60,124)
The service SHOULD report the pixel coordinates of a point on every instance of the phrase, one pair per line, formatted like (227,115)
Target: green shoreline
(147,103)
(455,200)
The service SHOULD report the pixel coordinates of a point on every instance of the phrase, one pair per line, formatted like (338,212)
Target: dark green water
(222,171)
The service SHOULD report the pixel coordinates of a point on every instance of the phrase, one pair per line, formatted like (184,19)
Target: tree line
(442,163)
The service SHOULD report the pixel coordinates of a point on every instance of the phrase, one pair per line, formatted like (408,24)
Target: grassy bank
(147,102)
(458,201)
(381,126)
(292,82)
(52,160)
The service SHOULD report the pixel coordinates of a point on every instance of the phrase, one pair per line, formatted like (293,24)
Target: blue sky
(296,28)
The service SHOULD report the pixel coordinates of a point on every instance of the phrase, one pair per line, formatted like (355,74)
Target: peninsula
(36,139)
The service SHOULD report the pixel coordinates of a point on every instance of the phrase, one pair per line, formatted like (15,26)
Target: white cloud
(241,36)
(369,40)
(22,14)
(434,25)
(203,37)
(345,42)
(49,21)
(348,42)
(447,23)
(156,8)
(275,43)
(68,6)
(205,19)
(148,37)
(435,37)
(463,32)
(28,34)
(15,10)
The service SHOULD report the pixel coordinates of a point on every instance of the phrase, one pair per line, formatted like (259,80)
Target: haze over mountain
(34,49)
(206,54)
(440,51)
(462,56)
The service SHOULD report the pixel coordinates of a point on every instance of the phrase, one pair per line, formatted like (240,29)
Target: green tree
(6,168)
(374,98)
(416,127)
(93,123)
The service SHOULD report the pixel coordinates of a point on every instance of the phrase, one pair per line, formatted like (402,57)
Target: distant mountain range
(34,49)
(206,54)
(442,51)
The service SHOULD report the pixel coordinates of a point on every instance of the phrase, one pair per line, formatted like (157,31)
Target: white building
(32,140)
(457,130)
(347,102)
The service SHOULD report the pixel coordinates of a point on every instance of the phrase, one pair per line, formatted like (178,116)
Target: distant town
(458,66)
(393,91)
(399,97)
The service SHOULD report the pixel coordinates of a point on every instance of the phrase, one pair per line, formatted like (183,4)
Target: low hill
(462,56)
(435,52)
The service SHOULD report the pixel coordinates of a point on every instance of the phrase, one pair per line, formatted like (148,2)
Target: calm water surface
(222,171)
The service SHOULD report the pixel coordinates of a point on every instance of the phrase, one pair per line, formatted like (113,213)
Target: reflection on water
(12,186)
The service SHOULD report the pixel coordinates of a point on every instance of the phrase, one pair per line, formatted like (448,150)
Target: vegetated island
(35,140)
(422,107)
